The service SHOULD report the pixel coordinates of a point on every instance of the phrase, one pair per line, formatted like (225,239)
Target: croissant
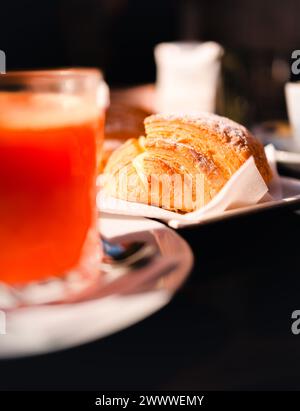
(183,161)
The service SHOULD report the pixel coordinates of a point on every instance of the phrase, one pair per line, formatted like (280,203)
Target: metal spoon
(122,256)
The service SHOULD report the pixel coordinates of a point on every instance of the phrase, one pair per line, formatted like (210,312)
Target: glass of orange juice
(51,131)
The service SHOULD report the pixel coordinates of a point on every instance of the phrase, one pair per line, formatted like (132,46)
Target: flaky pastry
(183,161)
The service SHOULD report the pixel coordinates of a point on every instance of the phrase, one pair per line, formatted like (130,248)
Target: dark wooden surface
(228,328)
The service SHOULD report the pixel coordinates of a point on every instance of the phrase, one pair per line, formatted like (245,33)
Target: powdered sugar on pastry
(233,132)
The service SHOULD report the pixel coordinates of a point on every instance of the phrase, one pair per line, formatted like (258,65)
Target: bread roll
(183,161)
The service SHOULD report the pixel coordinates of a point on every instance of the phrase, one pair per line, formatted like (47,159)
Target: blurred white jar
(292,96)
(188,76)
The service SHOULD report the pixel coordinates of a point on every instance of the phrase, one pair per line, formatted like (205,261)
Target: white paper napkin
(246,187)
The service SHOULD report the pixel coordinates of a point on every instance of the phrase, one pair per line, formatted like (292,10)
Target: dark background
(230,326)
(119,36)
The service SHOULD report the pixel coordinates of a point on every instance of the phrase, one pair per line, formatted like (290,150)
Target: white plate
(48,328)
(291,197)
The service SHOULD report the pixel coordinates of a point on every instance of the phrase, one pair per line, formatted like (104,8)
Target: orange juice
(47,183)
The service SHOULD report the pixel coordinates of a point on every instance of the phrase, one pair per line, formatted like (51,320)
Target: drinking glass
(292,96)
(51,132)
(188,76)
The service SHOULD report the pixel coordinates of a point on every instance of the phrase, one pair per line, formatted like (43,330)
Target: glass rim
(68,72)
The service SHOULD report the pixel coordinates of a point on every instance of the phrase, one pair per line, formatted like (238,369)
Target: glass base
(73,285)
